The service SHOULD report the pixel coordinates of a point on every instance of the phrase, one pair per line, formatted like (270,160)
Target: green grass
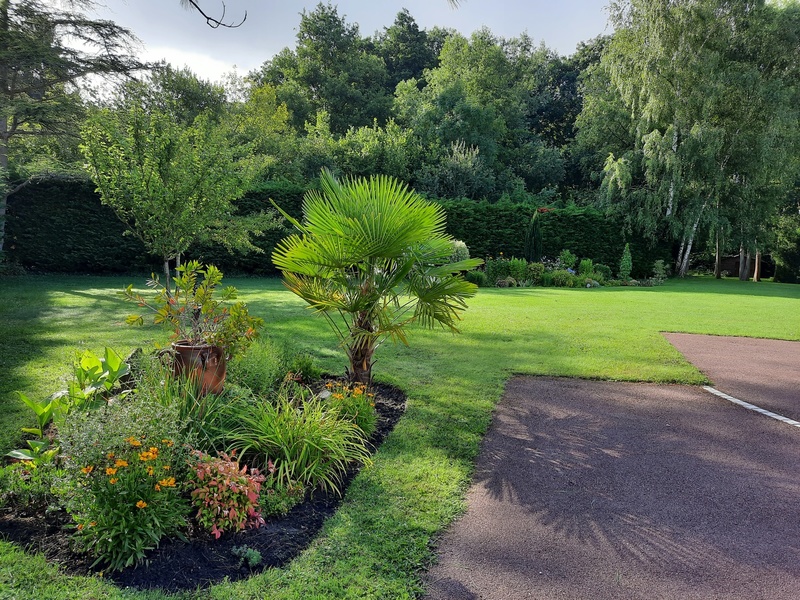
(381,539)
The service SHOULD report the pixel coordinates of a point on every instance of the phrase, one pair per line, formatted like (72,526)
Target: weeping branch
(211,21)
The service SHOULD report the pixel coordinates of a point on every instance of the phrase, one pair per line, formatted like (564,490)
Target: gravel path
(598,490)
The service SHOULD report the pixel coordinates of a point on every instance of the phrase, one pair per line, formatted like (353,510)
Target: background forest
(679,130)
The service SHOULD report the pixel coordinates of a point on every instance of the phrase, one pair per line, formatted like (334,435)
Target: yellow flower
(121,463)
(153,451)
(150,471)
(167,482)
(113,480)
(87,469)
(133,442)
(93,523)
(111,471)
(110,456)
(141,504)
(146,455)
(329,385)
(166,467)
(338,396)
(167,443)
(157,488)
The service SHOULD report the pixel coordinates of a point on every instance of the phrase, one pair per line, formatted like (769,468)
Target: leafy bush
(278,498)
(534,273)
(307,441)
(547,279)
(460,252)
(603,270)
(660,271)
(125,464)
(566,260)
(354,402)
(29,485)
(224,494)
(262,368)
(518,268)
(477,277)
(586,268)
(497,269)
(507,282)
(563,278)
(625,264)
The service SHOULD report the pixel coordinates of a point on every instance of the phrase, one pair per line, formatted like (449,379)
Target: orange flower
(133,442)
(141,504)
(146,455)
(166,467)
(121,463)
(167,482)
(113,480)
(79,527)
(93,523)
(111,471)
(167,443)
(150,471)
(153,451)
(157,488)
(110,456)
(87,469)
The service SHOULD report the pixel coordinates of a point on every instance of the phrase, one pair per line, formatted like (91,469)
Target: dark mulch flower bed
(201,561)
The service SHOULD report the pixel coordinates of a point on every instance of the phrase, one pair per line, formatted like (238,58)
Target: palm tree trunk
(361,350)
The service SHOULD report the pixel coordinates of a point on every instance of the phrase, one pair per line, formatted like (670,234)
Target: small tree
(372,257)
(625,264)
(171,184)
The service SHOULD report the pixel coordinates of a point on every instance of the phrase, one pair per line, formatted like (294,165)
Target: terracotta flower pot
(201,363)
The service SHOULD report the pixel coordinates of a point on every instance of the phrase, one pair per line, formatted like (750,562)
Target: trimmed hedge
(63,227)
(490,229)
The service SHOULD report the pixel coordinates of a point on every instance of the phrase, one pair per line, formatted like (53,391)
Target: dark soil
(202,560)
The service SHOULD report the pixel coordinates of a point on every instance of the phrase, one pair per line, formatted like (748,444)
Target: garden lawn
(383,535)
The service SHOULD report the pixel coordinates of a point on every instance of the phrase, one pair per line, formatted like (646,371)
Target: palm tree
(372,257)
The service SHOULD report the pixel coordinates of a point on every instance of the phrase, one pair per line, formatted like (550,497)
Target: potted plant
(208,328)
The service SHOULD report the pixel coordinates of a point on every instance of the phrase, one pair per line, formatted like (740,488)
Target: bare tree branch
(211,21)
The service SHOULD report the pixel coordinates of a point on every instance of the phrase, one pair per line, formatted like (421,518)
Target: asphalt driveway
(599,490)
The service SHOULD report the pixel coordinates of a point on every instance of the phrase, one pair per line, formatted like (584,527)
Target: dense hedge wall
(63,227)
(489,229)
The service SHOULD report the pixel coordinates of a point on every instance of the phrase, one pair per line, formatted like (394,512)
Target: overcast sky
(182,37)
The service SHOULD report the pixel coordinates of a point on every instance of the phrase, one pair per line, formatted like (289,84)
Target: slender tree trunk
(4,91)
(679,260)
(167,278)
(684,260)
(742,272)
(757,268)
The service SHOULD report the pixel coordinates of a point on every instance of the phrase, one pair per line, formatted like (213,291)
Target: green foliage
(246,555)
(353,402)
(585,267)
(497,269)
(307,441)
(478,278)
(30,485)
(460,252)
(196,313)
(125,464)
(563,278)
(518,269)
(224,494)
(363,246)
(567,259)
(533,239)
(660,271)
(535,272)
(625,264)
(603,270)
(278,498)
(262,368)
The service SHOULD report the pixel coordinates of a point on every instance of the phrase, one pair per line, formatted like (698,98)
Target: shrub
(460,252)
(262,368)
(586,268)
(507,282)
(477,277)
(518,268)
(354,402)
(125,465)
(604,271)
(661,271)
(497,269)
(535,271)
(28,485)
(277,498)
(247,555)
(566,260)
(224,494)
(307,441)
(625,264)
(547,279)
(563,278)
